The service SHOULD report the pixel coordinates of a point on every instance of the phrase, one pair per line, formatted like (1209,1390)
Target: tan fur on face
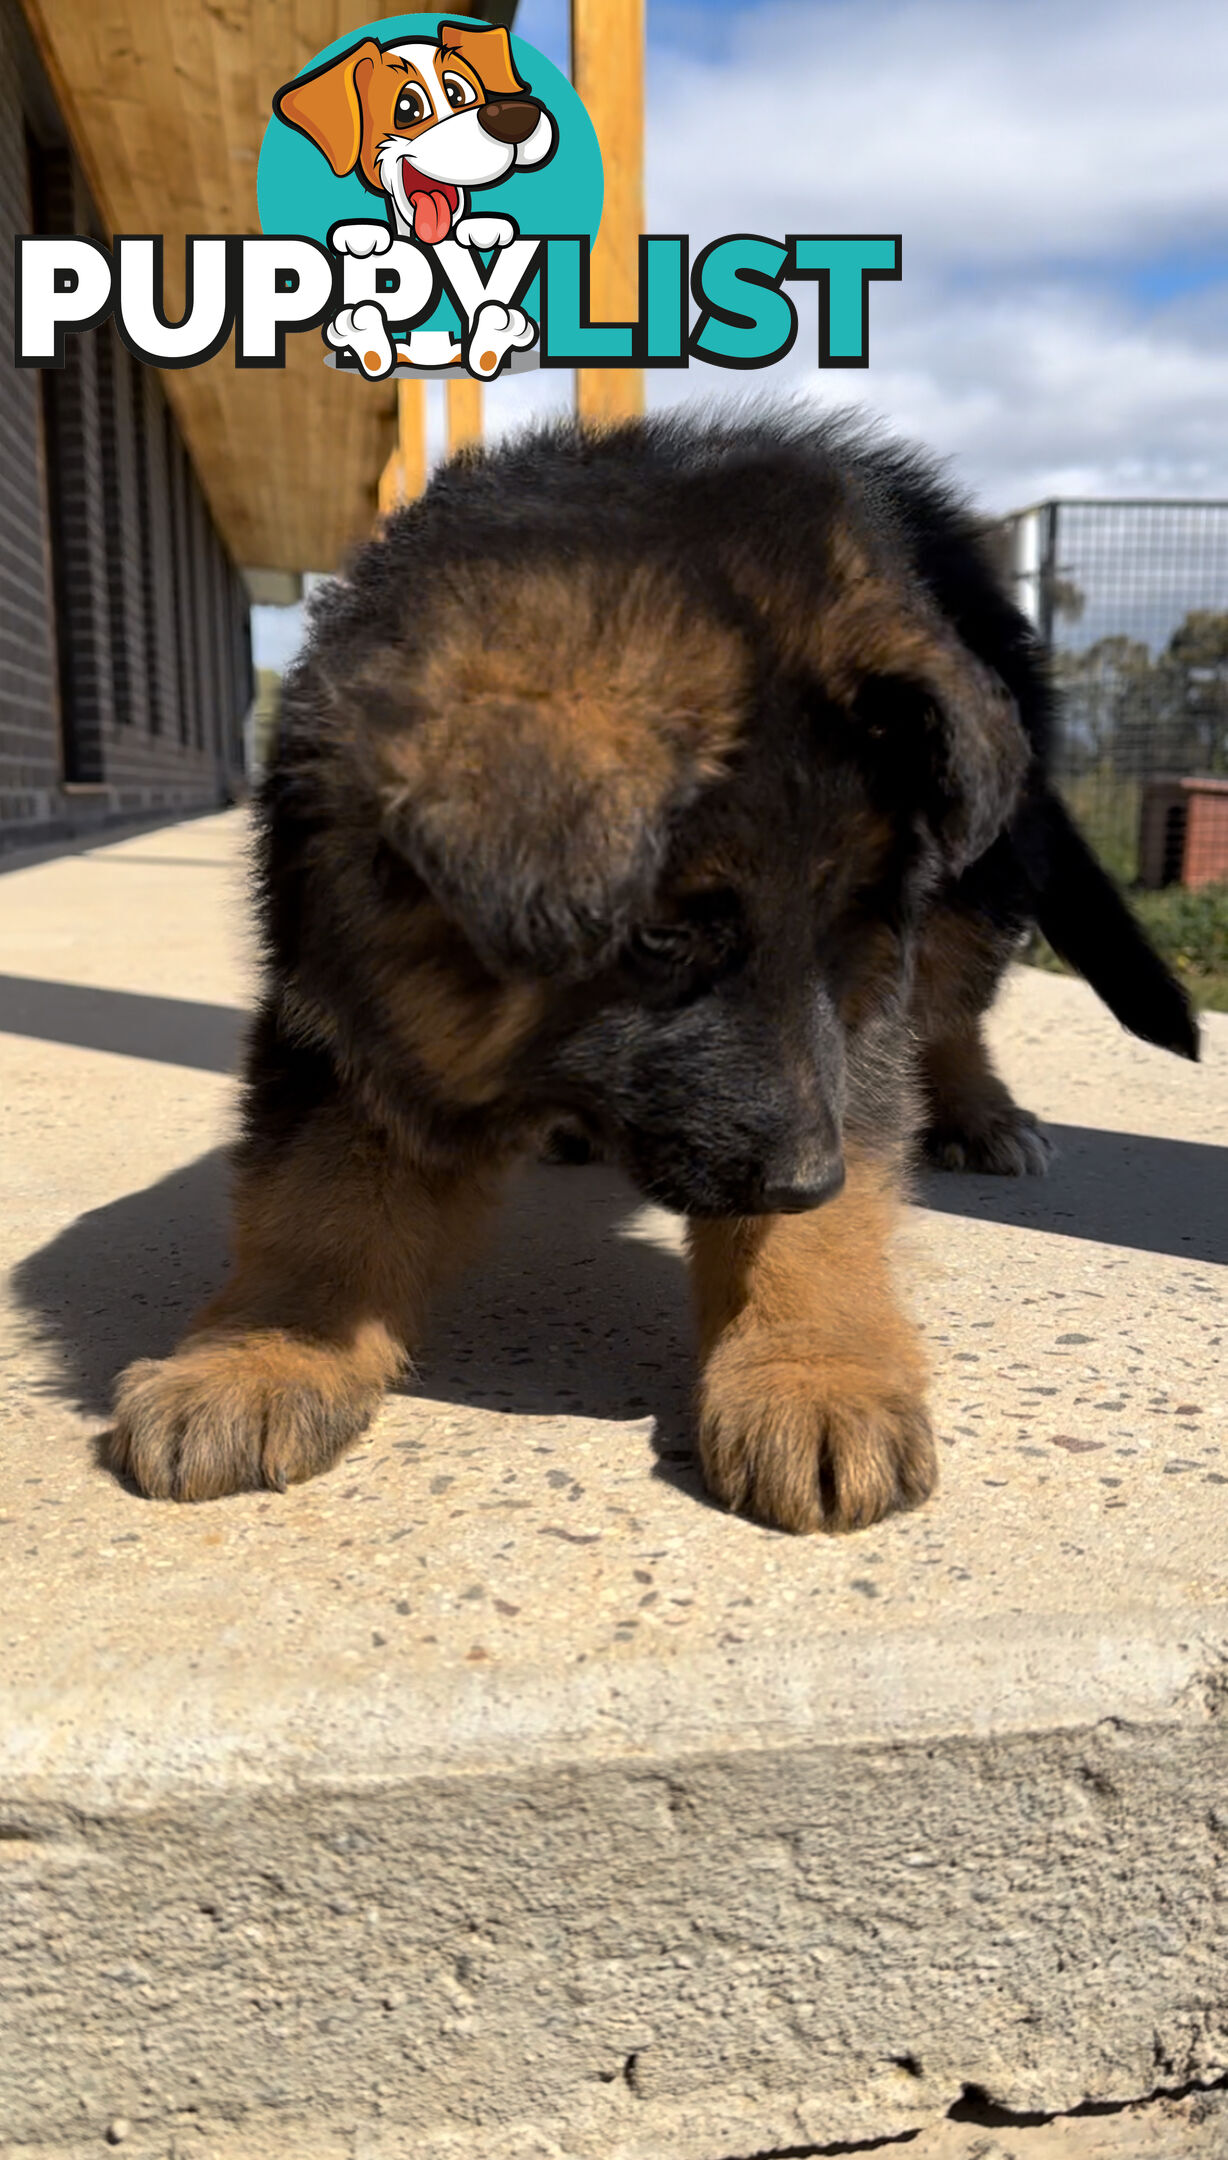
(527,761)
(609,681)
(463,1037)
(811,1395)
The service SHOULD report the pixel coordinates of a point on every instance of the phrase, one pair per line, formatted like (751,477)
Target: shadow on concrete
(166,1031)
(122,1281)
(562,1316)
(1161,1196)
(573,1310)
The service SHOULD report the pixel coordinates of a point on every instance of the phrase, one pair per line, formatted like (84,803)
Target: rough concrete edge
(957,2133)
(138,1732)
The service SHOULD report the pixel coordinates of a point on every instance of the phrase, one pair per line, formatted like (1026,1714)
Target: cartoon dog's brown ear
(326,106)
(488,53)
(530,752)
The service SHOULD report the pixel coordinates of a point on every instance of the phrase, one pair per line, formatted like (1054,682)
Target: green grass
(1190,929)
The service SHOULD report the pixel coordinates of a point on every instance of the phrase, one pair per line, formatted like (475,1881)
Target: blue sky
(1060,177)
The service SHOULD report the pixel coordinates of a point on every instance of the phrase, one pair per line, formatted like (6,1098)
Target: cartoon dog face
(423,121)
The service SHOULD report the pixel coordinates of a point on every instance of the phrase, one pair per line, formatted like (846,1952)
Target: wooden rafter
(167,107)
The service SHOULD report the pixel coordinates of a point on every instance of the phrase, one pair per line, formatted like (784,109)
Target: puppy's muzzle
(509,120)
(807,1188)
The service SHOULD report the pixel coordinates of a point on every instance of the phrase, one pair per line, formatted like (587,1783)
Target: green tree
(1108,701)
(1194,671)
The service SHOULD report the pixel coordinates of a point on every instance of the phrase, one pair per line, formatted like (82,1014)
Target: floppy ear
(530,753)
(326,106)
(896,662)
(488,53)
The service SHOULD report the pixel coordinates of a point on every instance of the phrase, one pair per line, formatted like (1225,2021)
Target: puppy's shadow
(569,1311)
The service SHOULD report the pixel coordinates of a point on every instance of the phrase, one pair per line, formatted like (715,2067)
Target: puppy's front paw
(233,1412)
(804,1442)
(999,1141)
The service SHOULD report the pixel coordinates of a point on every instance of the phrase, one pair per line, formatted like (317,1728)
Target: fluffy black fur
(665,1030)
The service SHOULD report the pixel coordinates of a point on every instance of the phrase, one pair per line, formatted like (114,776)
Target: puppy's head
(422,120)
(705,853)
(536,744)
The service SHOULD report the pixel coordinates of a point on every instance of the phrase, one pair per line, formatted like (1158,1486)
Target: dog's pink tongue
(432,216)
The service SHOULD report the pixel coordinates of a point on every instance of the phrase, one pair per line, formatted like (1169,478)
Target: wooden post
(390,493)
(404,475)
(607,68)
(464,411)
(411,435)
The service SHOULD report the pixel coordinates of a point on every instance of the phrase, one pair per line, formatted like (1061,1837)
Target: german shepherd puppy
(685,786)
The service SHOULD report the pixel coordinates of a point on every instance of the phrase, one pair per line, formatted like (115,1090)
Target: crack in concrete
(832,2152)
(976,2108)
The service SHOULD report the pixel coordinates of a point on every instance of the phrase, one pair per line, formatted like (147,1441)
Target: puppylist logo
(429,189)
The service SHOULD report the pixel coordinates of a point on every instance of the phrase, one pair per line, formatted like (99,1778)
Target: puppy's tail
(1088,923)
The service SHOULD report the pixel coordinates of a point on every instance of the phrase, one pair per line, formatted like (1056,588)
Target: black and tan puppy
(687,786)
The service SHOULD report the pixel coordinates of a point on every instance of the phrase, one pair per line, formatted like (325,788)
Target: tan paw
(804,1442)
(233,1412)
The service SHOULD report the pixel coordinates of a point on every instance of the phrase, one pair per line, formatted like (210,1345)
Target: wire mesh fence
(1132,600)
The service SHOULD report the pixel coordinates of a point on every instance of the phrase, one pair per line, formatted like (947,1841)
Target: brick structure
(1184,832)
(125,662)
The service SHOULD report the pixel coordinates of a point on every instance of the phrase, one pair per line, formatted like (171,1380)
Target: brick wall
(29,693)
(125,666)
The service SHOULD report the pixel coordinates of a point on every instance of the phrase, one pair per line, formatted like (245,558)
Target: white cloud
(1031,154)
(987,132)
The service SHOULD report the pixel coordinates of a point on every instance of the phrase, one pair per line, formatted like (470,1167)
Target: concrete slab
(496,1793)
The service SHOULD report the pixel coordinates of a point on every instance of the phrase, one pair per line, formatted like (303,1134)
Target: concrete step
(496,1794)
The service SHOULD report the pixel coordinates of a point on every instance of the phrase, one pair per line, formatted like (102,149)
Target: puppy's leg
(972,1120)
(811,1395)
(338,1239)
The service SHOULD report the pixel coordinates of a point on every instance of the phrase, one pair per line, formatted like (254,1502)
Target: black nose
(509,121)
(796,1196)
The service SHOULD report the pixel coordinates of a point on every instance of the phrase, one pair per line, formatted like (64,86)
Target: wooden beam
(607,68)
(167,106)
(464,411)
(404,473)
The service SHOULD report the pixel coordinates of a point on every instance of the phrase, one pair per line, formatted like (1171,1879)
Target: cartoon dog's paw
(999,1141)
(803,1442)
(497,330)
(363,237)
(364,329)
(485,232)
(230,1413)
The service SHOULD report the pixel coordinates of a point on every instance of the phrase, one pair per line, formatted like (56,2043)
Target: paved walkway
(498,1793)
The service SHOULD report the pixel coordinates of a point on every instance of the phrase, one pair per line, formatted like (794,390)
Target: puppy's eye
(410,107)
(458,92)
(663,944)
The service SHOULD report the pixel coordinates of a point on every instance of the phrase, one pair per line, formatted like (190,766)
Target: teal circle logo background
(297,190)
